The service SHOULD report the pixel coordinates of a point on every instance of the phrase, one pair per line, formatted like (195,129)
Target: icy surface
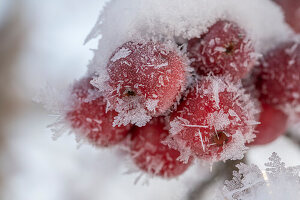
(277,182)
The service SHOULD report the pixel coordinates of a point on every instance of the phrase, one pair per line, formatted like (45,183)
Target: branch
(222,171)
(293,138)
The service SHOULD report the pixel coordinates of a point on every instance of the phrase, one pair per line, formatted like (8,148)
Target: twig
(222,171)
(293,138)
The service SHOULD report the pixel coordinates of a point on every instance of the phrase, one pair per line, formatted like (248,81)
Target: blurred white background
(42,42)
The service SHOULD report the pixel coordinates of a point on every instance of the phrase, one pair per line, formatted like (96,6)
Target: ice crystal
(277,182)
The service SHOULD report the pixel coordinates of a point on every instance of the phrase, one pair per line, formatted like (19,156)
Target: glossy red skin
(196,109)
(149,153)
(273,124)
(291,9)
(279,78)
(90,119)
(234,59)
(140,72)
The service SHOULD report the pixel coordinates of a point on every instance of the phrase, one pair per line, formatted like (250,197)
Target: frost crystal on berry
(151,155)
(214,121)
(279,79)
(145,80)
(223,50)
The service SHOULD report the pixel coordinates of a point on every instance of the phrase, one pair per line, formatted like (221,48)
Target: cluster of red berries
(170,115)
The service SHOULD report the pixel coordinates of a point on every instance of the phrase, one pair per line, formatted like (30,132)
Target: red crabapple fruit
(273,124)
(223,50)
(148,76)
(89,117)
(291,9)
(279,78)
(214,121)
(151,155)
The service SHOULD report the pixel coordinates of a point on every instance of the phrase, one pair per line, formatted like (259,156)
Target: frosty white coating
(277,182)
(172,21)
(220,119)
(135,20)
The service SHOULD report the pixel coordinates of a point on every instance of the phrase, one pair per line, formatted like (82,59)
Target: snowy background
(44,41)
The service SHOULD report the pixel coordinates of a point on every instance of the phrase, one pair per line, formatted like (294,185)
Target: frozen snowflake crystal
(277,182)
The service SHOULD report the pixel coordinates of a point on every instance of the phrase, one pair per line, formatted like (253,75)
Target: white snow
(218,119)
(277,182)
(173,20)
(151,104)
(131,112)
(122,53)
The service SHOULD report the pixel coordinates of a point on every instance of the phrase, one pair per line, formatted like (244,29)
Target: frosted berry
(150,74)
(279,79)
(224,49)
(151,155)
(273,124)
(89,119)
(291,9)
(214,121)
